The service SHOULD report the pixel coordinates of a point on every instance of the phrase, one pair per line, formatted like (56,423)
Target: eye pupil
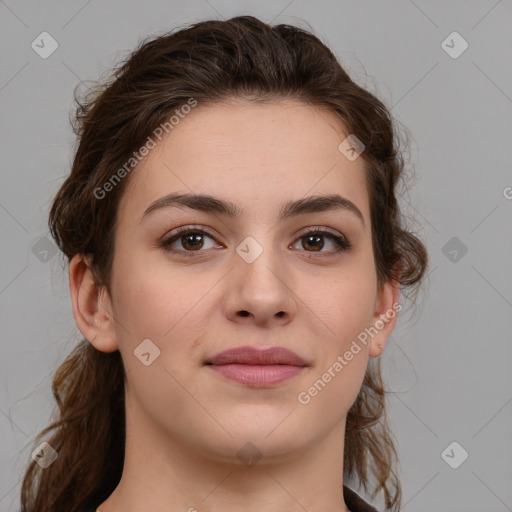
(193,236)
(317,238)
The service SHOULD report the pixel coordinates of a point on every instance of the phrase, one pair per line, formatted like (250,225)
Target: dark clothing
(353,501)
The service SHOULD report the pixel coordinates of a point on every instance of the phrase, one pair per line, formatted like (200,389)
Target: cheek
(159,302)
(342,358)
(345,302)
(345,305)
(332,389)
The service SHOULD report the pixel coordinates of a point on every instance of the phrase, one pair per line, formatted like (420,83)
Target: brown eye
(192,241)
(188,241)
(313,241)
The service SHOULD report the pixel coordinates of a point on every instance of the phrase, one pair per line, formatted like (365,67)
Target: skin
(185,424)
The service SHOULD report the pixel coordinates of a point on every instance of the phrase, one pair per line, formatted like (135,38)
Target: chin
(250,447)
(270,437)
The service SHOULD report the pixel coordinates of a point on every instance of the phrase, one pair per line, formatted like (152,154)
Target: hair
(210,61)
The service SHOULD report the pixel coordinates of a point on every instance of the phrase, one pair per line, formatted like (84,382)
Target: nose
(260,288)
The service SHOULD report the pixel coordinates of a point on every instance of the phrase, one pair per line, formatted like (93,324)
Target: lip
(253,356)
(257,368)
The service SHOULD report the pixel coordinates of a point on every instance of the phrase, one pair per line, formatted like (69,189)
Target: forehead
(251,153)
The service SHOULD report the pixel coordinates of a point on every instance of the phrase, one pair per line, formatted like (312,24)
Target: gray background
(448,361)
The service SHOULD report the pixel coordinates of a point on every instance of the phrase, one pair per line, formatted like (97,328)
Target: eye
(190,239)
(313,239)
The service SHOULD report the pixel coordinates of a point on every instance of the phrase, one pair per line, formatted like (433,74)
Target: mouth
(257,368)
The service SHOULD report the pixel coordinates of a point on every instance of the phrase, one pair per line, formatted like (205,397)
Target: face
(258,278)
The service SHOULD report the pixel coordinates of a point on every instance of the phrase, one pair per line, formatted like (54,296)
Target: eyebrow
(209,204)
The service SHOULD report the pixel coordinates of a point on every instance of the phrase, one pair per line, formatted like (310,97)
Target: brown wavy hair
(209,61)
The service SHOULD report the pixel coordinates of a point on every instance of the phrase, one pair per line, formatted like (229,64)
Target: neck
(162,475)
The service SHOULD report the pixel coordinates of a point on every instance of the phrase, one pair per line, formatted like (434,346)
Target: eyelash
(341,242)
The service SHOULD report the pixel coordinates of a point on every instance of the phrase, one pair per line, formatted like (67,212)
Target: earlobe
(385,316)
(92,308)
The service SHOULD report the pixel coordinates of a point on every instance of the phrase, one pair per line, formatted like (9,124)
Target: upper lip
(253,356)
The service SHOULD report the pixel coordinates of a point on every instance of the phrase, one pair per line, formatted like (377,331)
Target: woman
(236,254)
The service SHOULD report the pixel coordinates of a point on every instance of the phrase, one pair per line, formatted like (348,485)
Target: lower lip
(257,376)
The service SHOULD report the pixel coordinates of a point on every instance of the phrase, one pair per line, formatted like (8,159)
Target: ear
(385,316)
(92,307)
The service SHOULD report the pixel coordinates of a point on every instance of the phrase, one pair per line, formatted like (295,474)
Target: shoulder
(354,502)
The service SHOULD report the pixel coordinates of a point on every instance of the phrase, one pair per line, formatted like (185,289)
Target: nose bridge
(261,287)
(259,260)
